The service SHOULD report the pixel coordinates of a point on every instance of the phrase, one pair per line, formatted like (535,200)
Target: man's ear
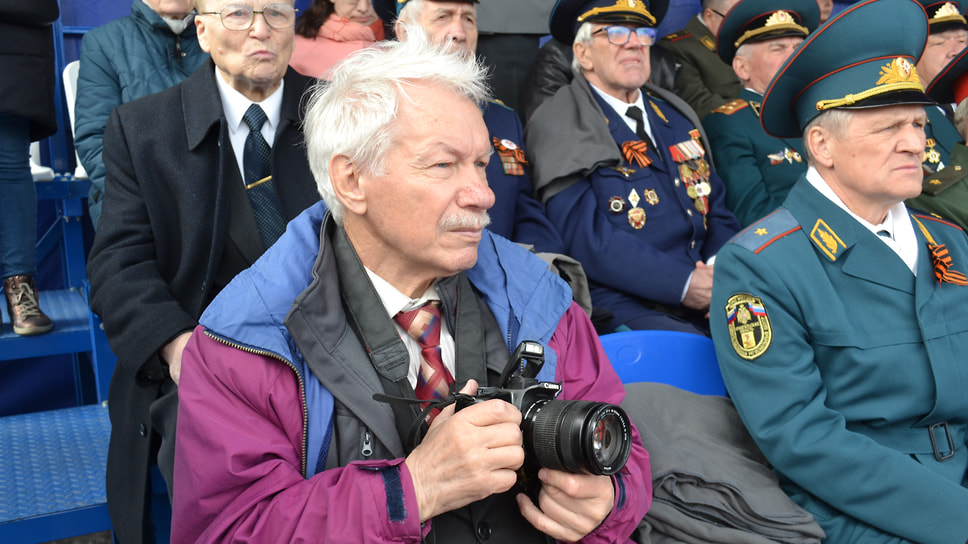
(201,29)
(581,53)
(740,66)
(820,142)
(347,185)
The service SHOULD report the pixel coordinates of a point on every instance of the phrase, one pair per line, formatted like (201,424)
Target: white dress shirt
(234,106)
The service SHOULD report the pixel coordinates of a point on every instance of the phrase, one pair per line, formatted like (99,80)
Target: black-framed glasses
(718,13)
(620,35)
(240,16)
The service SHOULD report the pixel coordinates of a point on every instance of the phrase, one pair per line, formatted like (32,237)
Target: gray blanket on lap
(710,481)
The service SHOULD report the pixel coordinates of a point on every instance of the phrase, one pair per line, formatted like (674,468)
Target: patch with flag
(512,156)
(749,327)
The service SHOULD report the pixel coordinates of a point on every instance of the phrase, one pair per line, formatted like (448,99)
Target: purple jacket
(241,458)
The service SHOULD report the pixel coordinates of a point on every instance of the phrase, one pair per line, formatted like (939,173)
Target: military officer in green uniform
(947,36)
(839,319)
(704,81)
(945,192)
(756,37)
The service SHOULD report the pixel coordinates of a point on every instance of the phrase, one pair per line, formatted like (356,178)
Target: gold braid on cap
(780,20)
(898,75)
(621,6)
(948,12)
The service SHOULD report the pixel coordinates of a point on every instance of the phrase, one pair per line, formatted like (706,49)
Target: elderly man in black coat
(193,196)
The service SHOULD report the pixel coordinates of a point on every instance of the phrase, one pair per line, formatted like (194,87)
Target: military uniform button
(692,244)
(142,429)
(689,212)
(484,530)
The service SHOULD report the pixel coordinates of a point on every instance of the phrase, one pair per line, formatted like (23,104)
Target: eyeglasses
(723,15)
(240,17)
(620,35)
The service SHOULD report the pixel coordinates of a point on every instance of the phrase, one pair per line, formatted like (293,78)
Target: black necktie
(257,166)
(635,113)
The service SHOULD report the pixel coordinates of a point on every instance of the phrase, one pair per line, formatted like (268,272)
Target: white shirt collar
(393,300)
(234,105)
(621,106)
(898,223)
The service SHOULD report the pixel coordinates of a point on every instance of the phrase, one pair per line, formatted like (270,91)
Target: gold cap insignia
(897,75)
(947,12)
(636,8)
(749,327)
(827,240)
(778,20)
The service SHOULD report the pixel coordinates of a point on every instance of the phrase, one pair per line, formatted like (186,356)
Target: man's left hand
(569,505)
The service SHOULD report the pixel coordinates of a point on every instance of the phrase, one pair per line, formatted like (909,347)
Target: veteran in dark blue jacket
(516,215)
(758,169)
(626,177)
(839,319)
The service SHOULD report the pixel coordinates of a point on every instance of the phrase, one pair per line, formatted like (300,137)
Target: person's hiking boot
(23,307)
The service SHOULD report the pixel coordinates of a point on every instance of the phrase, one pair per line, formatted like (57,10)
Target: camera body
(572,435)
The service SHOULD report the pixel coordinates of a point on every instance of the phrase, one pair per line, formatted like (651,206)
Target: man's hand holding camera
(569,505)
(475,453)
(467,456)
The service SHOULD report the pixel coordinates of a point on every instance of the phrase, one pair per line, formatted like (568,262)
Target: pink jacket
(239,461)
(337,38)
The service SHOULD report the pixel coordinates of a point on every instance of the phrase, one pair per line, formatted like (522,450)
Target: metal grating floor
(52,461)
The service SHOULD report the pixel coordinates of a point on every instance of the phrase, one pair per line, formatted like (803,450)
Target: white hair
(834,121)
(583,36)
(411,12)
(353,113)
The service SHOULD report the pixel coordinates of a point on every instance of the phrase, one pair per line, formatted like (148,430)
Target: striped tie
(423,325)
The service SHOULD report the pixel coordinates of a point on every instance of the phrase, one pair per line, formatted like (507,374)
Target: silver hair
(411,12)
(834,121)
(583,36)
(353,113)
(961,118)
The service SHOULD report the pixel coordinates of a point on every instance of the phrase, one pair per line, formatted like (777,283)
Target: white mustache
(466,221)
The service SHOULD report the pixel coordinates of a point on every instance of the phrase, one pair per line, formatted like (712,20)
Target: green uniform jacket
(705,82)
(940,138)
(847,360)
(758,169)
(946,193)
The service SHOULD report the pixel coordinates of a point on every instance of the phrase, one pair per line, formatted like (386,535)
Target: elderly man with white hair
(317,394)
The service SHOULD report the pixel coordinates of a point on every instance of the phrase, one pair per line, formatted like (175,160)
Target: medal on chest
(694,172)
(512,156)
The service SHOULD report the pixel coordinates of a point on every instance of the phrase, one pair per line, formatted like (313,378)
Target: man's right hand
(700,289)
(466,456)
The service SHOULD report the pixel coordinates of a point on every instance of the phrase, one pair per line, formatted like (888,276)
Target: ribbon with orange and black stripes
(634,152)
(941,260)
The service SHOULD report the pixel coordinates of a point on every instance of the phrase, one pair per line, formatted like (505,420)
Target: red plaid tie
(423,325)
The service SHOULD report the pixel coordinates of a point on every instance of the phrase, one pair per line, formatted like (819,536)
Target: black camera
(577,436)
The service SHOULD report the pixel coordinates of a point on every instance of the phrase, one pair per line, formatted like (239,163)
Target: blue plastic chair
(684,360)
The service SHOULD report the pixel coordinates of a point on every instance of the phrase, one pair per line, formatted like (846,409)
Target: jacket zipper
(302,387)
(367,448)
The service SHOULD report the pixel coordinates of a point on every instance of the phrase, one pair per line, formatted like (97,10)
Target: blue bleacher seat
(684,360)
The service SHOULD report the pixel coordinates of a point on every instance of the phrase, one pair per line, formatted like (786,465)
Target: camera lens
(577,436)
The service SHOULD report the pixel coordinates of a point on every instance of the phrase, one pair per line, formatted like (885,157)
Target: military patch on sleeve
(749,327)
(732,106)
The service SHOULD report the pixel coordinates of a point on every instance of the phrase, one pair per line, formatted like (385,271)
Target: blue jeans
(18,198)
